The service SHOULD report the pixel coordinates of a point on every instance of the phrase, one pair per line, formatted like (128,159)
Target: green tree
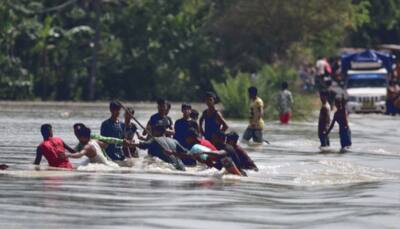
(265,29)
(383,26)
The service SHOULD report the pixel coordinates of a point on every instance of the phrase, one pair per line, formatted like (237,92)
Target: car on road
(366,90)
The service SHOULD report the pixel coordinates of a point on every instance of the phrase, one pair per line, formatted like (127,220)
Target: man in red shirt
(53,149)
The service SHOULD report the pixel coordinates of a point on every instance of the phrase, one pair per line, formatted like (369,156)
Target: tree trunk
(96,39)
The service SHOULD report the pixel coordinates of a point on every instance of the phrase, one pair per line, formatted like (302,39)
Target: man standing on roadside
(255,129)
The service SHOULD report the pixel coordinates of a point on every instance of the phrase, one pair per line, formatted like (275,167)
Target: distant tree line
(143,49)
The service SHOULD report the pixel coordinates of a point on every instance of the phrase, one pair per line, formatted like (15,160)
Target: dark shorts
(324,139)
(345,137)
(255,134)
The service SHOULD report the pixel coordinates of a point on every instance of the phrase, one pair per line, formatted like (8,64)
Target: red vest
(208,144)
(51,149)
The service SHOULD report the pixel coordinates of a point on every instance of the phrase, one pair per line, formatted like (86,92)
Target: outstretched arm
(108,140)
(102,144)
(67,147)
(39,155)
(84,152)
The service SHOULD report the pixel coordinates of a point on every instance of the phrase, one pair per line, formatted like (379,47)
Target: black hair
(78,125)
(168,105)
(115,105)
(46,129)
(186,106)
(194,114)
(84,132)
(284,85)
(252,90)
(210,94)
(161,101)
(130,110)
(232,136)
(324,93)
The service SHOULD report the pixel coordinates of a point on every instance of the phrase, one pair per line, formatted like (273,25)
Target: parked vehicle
(366,79)
(366,90)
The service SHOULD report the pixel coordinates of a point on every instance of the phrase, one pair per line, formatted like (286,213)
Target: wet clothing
(208,144)
(256,107)
(323,124)
(255,129)
(156,118)
(345,137)
(108,140)
(211,124)
(200,149)
(51,150)
(156,146)
(100,158)
(109,128)
(344,130)
(285,102)
(324,140)
(244,159)
(284,118)
(181,128)
(129,131)
(231,154)
(203,146)
(324,118)
(255,134)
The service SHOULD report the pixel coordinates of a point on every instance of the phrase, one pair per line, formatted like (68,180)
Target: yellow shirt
(256,106)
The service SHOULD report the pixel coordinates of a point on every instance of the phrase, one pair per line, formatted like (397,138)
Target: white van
(367,90)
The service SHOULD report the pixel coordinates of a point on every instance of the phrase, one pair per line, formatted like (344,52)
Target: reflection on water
(296,186)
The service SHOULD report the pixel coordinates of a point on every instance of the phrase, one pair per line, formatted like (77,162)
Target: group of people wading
(189,141)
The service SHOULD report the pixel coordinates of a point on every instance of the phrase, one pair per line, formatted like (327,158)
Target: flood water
(296,187)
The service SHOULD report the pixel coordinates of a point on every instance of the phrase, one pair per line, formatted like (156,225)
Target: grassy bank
(234,98)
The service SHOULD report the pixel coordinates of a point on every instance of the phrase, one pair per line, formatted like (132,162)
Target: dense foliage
(234,96)
(143,49)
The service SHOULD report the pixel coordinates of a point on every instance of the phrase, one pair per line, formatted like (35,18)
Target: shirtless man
(245,161)
(92,149)
(324,119)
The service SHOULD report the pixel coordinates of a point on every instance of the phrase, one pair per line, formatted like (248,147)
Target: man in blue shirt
(183,125)
(112,127)
(161,116)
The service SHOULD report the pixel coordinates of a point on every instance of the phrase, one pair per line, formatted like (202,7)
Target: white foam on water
(385,152)
(38,174)
(333,172)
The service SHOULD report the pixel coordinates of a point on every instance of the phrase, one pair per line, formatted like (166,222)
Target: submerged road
(296,187)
